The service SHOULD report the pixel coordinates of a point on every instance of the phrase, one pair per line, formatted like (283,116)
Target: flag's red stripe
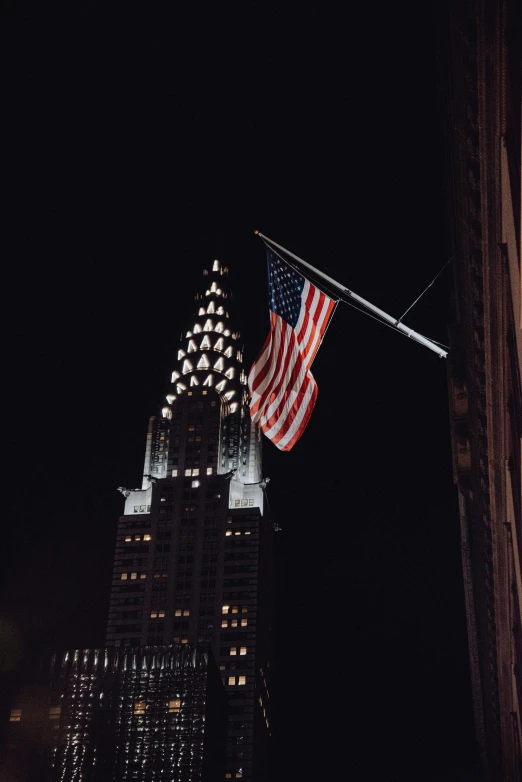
(279,347)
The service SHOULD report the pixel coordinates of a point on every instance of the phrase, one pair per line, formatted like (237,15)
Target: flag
(283,390)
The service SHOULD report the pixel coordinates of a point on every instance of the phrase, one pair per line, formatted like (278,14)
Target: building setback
(194,556)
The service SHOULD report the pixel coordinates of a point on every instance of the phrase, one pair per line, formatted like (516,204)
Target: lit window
(230,373)
(225,609)
(180,387)
(233,407)
(188,473)
(233,623)
(16,715)
(244,622)
(221,385)
(187,366)
(229,395)
(237,532)
(219,344)
(161,614)
(228,352)
(54,712)
(205,342)
(244,609)
(242,650)
(174,473)
(211,309)
(219,327)
(231,680)
(195,484)
(197,329)
(224,623)
(174,706)
(204,393)
(228,533)
(209,326)
(143,575)
(235,609)
(233,651)
(192,346)
(146,537)
(184,640)
(123,576)
(128,538)
(220,364)
(239,775)
(171,397)
(153,615)
(174,377)
(137,537)
(201,311)
(186,612)
(213,287)
(247,532)
(242,680)
(195,471)
(220,311)
(181,353)
(227,333)
(139,707)
(134,576)
(228,776)
(208,382)
(193,382)
(215,266)
(209,470)
(177,612)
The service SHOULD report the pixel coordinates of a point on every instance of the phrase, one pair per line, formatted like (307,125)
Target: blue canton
(284,288)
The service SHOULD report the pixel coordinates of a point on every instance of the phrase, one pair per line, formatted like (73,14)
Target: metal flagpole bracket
(394,322)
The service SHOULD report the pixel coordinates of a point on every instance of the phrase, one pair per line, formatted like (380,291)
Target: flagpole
(396,323)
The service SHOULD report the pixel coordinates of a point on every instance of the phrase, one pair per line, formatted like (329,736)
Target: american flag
(283,391)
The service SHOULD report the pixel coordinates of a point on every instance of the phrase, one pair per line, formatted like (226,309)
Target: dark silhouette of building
(481,48)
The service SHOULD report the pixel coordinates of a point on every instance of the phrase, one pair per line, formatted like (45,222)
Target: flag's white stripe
(269,358)
(320,325)
(295,361)
(303,410)
(302,338)
(283,343)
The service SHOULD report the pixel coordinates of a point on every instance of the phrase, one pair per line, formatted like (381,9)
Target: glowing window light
(215,266)
(143,575)
(244,622)
(213,287)
(174,473)
(146,537)
(242,680)
(219,344)
(209,470)
(233,407)
(220,364)
(187,366)
(207,293)
(228,352)
(230,373)
(194,381)
(195,471)
(174,706)
(197,329)
(153,614)
(228,533)
(177,612)
(229,395)
(192,346)
(243,378)
(124,576)
(208,380)
(205,342)
(233,623)
(174,376)
(220,327)
(201,311)
(127,538)
(242,650)
(166,412)
(16,715)
(134,576)
(209,325)
(231,680)
(203,362)
(211,308)
(220,310)
(195,484)
(219,291)
(233,651)
(161,614)
(184,640)
(181,353)
(170,398)
(55,712)
(180,387)
(186,612)
(188,473)
(139,707)
(225,609)
(227,333)
(224,623)
(221,385)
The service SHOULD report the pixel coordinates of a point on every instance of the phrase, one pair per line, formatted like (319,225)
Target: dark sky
(141,144)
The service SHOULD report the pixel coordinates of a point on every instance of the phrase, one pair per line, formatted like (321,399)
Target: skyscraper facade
(193,558)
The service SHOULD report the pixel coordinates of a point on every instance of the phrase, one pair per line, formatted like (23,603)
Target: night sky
(142,143)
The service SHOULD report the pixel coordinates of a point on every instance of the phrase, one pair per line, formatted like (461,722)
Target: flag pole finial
(256,233)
